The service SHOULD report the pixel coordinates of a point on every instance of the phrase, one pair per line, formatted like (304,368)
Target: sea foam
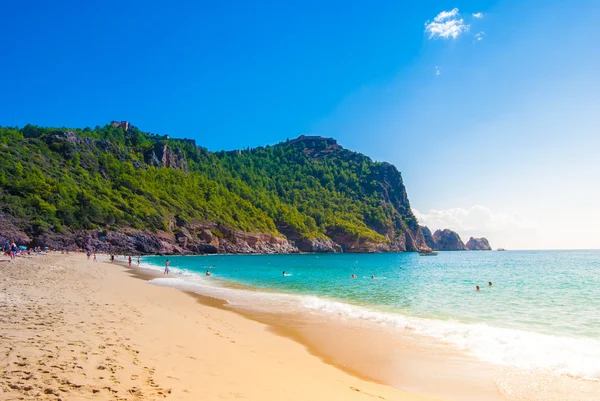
(578,357)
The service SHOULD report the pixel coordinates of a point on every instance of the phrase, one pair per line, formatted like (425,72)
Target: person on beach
(167,267)
(476,288)
(489,283)
(138,260)
(112,258)
(95,260)
(89,254)
(13,250)
(207,273)
(129,260)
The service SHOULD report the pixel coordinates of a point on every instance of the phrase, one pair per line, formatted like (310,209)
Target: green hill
(136,191)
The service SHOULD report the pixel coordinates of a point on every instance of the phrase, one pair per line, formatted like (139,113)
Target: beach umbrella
(22,247)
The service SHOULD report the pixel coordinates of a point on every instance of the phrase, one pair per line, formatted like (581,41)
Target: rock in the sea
(478,244)
(448,240)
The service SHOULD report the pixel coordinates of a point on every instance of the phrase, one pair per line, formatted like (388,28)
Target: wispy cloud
(446,25)
(478,15)
(480,35)
(477,219)
(437,70)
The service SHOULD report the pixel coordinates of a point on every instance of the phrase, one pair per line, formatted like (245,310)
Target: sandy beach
(74,329)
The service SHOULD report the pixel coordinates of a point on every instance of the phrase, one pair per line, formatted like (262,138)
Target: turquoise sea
(542,311)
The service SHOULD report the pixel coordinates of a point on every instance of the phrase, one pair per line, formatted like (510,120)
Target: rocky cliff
(478,244)
(448,240)
(132,191)
(428,237)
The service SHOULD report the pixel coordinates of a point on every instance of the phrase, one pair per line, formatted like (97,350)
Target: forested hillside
(126,189)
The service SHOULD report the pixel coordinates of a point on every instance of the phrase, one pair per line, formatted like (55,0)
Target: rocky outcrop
(163,156)
(478,244)
(10,232)
(317,245)
(448,240)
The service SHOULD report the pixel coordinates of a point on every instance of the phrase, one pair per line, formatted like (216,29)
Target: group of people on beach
(90,253)
(10,249)
(129,260)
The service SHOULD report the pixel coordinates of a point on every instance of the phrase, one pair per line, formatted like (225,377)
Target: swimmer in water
(476,288)
(283,274)
(489,283)
(353,276)
(207,273)
(372,277)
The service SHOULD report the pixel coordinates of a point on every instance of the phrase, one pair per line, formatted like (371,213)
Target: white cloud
(478,15)
(446,25)
(437,70)
(478,221)
(480,35)
(446,14)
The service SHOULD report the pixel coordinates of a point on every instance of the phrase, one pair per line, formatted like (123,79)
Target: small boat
(501,249)
(427,252)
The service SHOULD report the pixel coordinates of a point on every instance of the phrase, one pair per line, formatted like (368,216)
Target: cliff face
(397,226)
(429,241)
(163,156)
(448,240)
(478,244)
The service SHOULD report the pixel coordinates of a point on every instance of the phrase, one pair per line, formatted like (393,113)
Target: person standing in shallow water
(167,267)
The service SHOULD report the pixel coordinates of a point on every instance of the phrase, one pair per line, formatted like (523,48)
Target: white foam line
(579,357)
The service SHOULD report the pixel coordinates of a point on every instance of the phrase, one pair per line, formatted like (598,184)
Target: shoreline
(75,329)
(399,358)
(405,362)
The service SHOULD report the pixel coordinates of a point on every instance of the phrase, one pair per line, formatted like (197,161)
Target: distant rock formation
(448,240)
(478,244)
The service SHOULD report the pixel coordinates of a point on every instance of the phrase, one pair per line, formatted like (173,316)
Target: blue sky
(492,118)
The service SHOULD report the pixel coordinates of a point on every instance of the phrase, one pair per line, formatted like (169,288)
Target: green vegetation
(57,179)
